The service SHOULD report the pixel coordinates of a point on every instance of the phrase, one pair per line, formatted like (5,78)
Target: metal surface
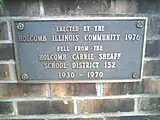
(128,67)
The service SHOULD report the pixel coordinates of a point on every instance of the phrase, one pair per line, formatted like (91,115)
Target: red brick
(153,26)
(4,72)
(147,6)
(64,90)
(152,48)
(151,86)
(45,107)
(21,8)
(99,106)
(6,108)
(62,7)
(118,88)
(23,90)
(3,31)
(151,68)
(6,52)
(150,104)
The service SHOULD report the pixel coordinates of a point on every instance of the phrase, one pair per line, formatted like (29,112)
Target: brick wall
(92,101)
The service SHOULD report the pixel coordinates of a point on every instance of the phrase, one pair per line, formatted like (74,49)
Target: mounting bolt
(20,26)
(134,75)
(24,76)
(139,24)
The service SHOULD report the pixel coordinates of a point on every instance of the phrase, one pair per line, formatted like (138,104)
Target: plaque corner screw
(134,75)
(139,24)
(20,26)
(24,76)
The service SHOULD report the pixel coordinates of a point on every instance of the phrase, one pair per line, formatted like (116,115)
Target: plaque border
(78,18)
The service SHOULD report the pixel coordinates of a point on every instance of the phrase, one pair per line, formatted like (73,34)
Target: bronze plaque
(80,49)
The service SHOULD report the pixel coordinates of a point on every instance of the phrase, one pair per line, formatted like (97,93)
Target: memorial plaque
(97,49)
